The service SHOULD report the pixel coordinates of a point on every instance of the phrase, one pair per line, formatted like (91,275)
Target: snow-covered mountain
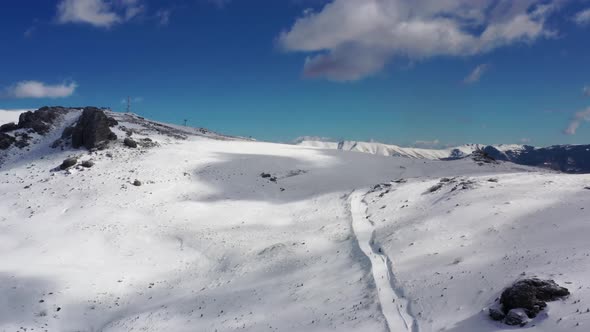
(111,222)
(565,158)
(398,151)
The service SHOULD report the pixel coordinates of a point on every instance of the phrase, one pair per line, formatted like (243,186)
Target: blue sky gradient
(222,67)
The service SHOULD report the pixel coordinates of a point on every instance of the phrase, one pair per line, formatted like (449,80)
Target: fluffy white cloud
(35,89)
(583,17)
(426,144)
(586,91)
(352,39)
(100,13)
(576,121)
(476,74)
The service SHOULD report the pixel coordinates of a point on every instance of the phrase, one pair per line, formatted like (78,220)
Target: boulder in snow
(69,162)
(87,163)
(496,314)
(531,295)
(516,317)
(130,143)
(92,130)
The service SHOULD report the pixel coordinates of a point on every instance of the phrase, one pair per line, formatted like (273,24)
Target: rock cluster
(526,299)
(41,120)
(69,162)
(92,130)
(6,141)
(130,143)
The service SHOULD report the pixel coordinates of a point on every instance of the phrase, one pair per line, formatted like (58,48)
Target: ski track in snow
(394,305)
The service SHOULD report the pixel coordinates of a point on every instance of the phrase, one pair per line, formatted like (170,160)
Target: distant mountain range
(564,158)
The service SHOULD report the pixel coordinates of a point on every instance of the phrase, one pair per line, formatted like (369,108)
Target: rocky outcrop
(482,156)
(93,129)
(67,163)
(130,143)
(8,127)
(6,141)
(87,163)
(41,120)
(526,299)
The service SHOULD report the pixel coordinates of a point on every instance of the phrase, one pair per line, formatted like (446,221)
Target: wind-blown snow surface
(207,244)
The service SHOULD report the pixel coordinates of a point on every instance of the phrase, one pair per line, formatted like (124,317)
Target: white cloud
(100,13)
(583,17)
(525,140)
(586,91)
(351,39)
(426,144)
(576,121)
(476,74)
(163,16)
(35,89)
(312,138)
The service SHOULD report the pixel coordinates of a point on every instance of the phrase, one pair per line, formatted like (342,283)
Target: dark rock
(137,183)
(8,127)
(112,122)
(516,317)
(265,175)
(69,162)
(67,133)
(531,295)
(496,314)
(128,142)
(147,143)
(92,130)
(6,141)
(40,121)
(58,142)
(434,188)
(484,156)
(23,142)
(87,163)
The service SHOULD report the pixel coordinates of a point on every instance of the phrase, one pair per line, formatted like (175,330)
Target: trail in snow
(393,304)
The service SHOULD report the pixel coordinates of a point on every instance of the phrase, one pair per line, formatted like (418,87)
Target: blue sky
(429,73)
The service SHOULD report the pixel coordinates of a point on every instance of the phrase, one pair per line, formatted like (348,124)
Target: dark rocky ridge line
(91,130)
(563,158)
(574,159)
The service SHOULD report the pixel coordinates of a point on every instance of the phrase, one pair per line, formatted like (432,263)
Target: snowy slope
(207,244)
